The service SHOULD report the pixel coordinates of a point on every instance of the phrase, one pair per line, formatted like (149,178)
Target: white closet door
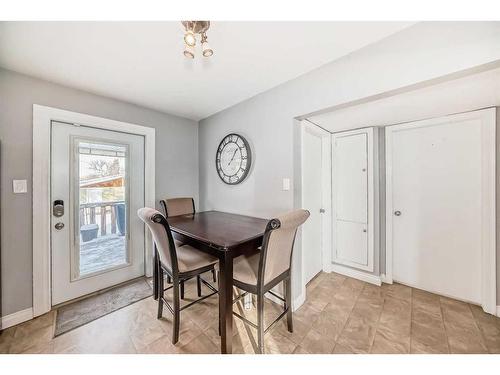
(441,203)
(312,200)
(353,198)
(351,158)
(352,243)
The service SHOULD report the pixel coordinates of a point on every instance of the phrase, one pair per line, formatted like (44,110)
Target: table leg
(226,301)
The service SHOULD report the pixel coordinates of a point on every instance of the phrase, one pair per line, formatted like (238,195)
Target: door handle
(397,213)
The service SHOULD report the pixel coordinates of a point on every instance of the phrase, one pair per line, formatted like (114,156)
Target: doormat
(81,312)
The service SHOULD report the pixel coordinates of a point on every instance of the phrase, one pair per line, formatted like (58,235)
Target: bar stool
(177,207)
(258,273)
(180,263)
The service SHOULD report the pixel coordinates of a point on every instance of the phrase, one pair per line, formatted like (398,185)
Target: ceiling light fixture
(189,51)
(189,38)
(205,48)
(194,28)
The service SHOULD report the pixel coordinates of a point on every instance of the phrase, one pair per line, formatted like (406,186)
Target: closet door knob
(397,213)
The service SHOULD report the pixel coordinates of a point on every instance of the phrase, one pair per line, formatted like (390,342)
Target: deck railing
(89,212)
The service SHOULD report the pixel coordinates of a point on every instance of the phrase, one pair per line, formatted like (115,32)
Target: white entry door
(315,179)
(97,185)
(441,204)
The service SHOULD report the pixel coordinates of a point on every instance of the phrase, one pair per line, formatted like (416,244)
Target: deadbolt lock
(58,208)
(59,226)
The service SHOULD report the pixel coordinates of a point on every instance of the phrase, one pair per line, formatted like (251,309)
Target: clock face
(233,159)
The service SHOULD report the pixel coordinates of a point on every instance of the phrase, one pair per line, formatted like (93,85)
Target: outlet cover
(286,184)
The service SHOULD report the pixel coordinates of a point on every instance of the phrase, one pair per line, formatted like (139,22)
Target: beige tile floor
(340,315)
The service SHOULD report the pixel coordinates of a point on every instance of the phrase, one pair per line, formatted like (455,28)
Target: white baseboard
(385,279)
(296,303)
(367,277)
(270,297)
(17,318)
(299,300)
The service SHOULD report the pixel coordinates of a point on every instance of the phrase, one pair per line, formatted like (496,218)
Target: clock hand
(234,153)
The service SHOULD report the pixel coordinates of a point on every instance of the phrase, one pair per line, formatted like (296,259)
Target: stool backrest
(277,248)
(162,236)
(178,206)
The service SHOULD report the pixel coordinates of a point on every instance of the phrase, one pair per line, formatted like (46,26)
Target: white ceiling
(142,62)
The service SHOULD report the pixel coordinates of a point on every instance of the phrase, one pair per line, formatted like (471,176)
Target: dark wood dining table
(225,236)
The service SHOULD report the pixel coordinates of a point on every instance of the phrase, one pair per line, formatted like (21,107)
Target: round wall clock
(233,159)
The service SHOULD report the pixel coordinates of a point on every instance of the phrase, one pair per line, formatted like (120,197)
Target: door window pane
(102,213)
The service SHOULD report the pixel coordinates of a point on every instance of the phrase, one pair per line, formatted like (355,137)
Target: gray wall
(422,52)
(176,164)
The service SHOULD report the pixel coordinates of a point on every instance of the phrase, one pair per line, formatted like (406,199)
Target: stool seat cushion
(191,259)
(246,268)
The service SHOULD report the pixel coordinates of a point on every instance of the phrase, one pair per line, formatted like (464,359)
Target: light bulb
(207,51)
(189,38)
(189,51)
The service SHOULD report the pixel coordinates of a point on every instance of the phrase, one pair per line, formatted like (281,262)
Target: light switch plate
(19,186)
(286,184)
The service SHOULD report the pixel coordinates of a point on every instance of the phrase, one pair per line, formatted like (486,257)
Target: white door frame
(488,251)
(326,197)
(42,118)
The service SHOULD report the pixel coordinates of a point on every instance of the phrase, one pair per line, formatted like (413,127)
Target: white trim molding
(498,311)
(296,302)
(360,275)
(384,279)
(16,318)
(272,298)
(299,300)
(42,119)
(488,168)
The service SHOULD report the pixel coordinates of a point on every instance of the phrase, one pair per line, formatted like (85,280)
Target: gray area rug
(82,312)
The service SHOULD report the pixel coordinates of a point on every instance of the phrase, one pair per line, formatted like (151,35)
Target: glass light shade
(189,38)
(189,51)
(207,51)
